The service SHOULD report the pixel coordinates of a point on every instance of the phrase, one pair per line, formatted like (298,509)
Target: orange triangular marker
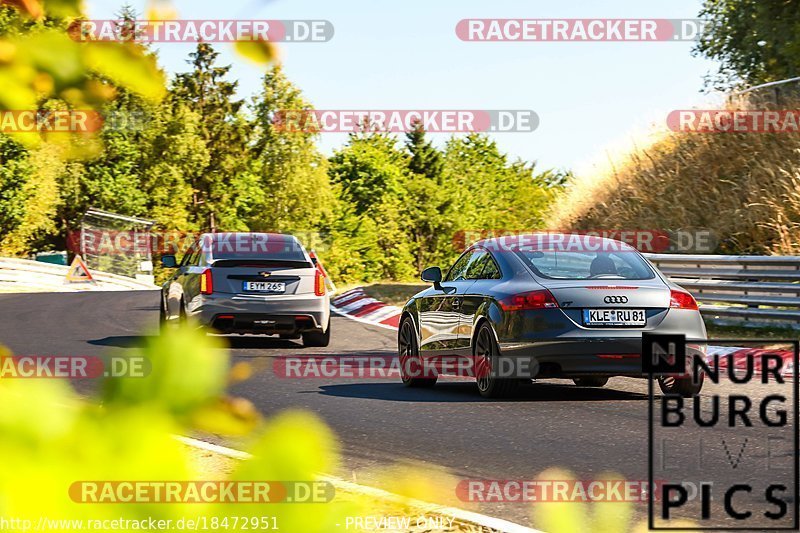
(78,271)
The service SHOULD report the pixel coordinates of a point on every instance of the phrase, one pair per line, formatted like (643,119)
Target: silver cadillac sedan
(545,306)
(256,283)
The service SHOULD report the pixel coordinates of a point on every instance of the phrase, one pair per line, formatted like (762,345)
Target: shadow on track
(122,341)
(468,392)
(257,342)
(234,342)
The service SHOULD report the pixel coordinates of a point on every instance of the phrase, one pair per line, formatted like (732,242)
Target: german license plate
(614,317)
(264,286)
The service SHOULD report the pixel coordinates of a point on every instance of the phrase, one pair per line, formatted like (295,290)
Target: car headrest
(602,264)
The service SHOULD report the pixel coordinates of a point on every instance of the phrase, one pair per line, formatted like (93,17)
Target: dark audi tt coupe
(544,306)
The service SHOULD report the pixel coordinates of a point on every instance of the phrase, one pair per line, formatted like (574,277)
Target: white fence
(32,276)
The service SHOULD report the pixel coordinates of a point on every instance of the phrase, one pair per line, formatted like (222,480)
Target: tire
(175,323)
(590,381)
(682,386)
(408,355)
(162,316)
(486,355)
(316,339)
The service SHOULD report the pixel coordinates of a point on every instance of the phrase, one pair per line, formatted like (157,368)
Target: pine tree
(425,159)
(429,205)
(205,91)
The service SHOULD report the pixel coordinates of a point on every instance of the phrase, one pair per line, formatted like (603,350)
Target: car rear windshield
(559,264)
(259,248)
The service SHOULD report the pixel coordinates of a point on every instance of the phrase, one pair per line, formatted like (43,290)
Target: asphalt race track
(379,422)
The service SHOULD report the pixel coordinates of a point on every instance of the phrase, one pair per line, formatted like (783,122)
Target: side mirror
(169,261)
(432,275)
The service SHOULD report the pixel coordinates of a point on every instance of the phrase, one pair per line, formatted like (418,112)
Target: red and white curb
(739,356)
(461,515)
(357,305)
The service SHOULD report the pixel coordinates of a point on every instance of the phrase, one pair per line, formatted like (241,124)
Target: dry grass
(743,187)
(394,293)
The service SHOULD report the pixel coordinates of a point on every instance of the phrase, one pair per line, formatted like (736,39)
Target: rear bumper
(611,356)
(552,345)
(264,324)
(231,313)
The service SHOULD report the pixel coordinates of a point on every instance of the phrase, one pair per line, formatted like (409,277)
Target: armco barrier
(749,287)
(27,274)
(356,305)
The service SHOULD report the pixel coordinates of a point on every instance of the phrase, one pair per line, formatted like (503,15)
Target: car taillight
(319,284)
(206,286)
(681,300)
(541,299)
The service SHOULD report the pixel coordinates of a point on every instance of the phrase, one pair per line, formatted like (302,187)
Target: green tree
(490,193)
(113,179)
(15,193)
(14,171)
(214,184)
(371,171)
(41,68)
(429,205)
(175,149)
(291,188)
(352,255)
(425,160)
(476,172)
(754,41)
(35,222)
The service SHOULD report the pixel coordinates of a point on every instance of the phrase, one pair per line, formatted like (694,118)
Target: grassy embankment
(745,188)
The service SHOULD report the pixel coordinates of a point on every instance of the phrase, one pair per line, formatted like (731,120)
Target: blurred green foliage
(50,438)
(607,516)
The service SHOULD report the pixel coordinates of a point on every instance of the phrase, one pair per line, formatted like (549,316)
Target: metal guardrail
(739,286)
(773,94)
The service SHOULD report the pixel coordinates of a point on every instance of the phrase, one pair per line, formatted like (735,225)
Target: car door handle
(456,303)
